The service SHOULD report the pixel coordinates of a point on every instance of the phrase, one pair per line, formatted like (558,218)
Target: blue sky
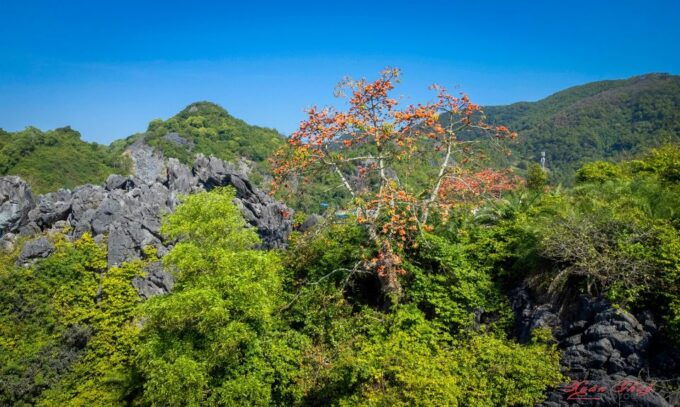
(108,68)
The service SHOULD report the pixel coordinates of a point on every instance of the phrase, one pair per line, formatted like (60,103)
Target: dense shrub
(615,234)
(213,339)
(64,326)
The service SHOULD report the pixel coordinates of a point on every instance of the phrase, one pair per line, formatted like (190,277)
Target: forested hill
(204,127)
(57,158)
(61,159)
(600,120)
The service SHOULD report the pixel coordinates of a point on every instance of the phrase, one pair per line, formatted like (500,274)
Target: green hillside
(56,159)
(607,120)
(60,159)
(207,128)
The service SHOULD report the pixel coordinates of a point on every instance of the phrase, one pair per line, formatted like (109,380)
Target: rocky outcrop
(272,218)
(602,346)
(156,281)
(175,138)
(148,164)
(35,249)
(16,201)
(127,211)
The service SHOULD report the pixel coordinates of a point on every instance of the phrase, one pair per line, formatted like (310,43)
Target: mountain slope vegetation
(608,120)
(207,128)
(487,290)
(57,159)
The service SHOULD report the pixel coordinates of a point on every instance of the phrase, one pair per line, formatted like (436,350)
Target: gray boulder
(16,201)
(115,181)
(156,281)
(7,242)
(84,203)
(51,208)
(210,171)
(35,249)
(147,163)
(175,138)
(272,219)
(180,178)
(130,234)
(110,209)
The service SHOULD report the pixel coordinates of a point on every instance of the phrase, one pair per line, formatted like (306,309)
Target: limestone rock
(115,181)
(175,138)
(16,201)
(35,249)
(600,343)
(126,212)
(147,164)
(7,242)
(156,281)
(180,178)
(51,208)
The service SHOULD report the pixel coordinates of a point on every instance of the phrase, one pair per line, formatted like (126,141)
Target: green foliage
(211,341)
(402,359)
(537,178)
(663,162)
(65,327)
(616,234)
(101,376)
(598,171)
(57,159)
(301,327)
(450,289)
(210,228)
(424,352)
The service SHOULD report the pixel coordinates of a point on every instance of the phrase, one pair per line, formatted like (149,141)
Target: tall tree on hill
(368,147)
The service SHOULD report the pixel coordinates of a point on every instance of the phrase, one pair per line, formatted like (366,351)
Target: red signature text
(633,387)
(584,390)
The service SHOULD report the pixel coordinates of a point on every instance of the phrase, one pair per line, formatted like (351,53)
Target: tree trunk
(387,269)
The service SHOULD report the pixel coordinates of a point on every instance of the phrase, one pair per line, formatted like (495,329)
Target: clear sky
(107,68)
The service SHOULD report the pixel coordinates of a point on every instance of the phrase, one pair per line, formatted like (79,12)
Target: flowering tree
(369,147)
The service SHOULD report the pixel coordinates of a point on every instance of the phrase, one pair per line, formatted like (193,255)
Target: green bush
(598,171)
(65,327)
(450,289)
(405,360)
(211,341)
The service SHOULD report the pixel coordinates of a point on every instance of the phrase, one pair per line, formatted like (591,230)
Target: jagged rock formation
(602,344)
(16,201)
(127,211)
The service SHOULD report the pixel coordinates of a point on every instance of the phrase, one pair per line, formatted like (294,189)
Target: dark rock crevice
(600,343)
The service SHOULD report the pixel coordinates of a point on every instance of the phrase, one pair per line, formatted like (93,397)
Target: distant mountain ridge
(607,120)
